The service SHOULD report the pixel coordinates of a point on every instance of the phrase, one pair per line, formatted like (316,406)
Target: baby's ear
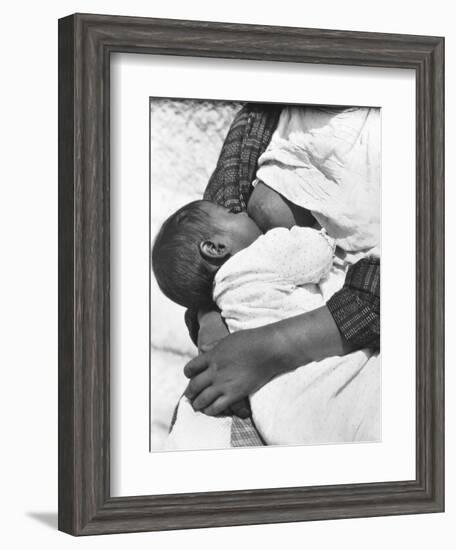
(213,252)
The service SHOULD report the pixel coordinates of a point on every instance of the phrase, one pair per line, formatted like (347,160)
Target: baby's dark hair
(182,274)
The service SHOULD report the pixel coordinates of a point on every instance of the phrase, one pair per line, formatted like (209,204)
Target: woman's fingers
(218,406)
(195,366)
(197,385)
(241,408)
(205,399)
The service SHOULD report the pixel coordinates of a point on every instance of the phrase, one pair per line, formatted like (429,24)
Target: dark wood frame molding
(85,45)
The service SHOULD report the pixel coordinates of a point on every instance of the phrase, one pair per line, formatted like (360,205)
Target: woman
(349,321)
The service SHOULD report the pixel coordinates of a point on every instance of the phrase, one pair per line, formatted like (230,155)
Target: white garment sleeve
(300,255)
(328,161)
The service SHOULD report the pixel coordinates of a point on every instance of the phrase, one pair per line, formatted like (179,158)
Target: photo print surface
(265,230)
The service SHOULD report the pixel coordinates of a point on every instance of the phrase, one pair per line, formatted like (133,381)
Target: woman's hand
(238,365)
(244,361)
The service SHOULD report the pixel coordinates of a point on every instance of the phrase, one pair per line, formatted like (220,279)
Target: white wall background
(28,285)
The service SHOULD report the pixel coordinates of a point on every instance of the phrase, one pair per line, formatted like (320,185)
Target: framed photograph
(237,205)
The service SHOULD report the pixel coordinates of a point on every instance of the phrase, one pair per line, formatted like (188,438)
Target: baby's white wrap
(328,161)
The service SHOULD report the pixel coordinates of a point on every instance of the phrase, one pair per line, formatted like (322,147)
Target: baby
(202,237)
(191,247)
(205,253)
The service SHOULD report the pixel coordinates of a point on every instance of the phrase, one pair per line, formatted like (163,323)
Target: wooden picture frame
(85,45)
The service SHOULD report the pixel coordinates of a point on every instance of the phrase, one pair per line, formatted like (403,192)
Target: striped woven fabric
(244,433)
(356,307)
(250,133)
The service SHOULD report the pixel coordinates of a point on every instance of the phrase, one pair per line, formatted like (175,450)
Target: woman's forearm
(311,336)
(244,361)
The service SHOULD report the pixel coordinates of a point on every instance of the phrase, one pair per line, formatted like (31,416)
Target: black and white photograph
(265,230)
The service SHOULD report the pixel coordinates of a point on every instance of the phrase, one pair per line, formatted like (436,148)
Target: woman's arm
(244,361)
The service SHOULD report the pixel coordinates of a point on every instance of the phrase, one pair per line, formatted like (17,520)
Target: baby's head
(191,246)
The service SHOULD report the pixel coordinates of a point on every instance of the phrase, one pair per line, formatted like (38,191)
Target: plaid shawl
(250,133)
